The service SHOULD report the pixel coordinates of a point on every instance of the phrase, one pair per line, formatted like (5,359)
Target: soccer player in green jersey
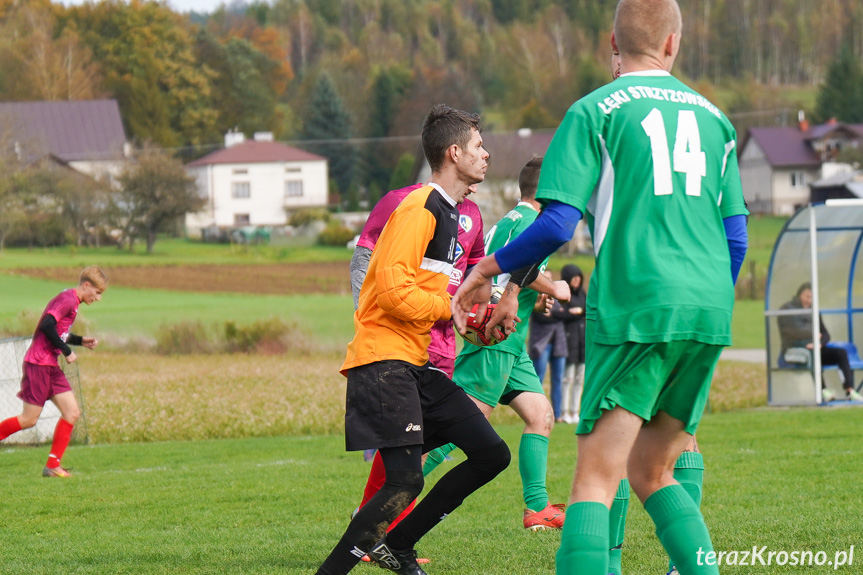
(688,469)
(651,165)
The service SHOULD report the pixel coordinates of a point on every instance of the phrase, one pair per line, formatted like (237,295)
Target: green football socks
(532,465)
(689,473)
(584,541)
(616,526)
(681,529)
(437,456)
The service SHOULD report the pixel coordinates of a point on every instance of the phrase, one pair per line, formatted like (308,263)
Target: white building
(256,182)
(779,164)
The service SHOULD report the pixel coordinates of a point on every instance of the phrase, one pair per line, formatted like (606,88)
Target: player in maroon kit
(43,379)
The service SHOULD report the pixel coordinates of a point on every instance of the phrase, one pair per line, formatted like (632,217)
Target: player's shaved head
(642,26)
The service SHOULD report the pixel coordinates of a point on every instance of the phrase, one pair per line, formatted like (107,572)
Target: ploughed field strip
(275,278)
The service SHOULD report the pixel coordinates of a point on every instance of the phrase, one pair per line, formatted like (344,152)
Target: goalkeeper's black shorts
(393,403)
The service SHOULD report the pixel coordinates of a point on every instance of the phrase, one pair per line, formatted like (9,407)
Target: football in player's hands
(475,329)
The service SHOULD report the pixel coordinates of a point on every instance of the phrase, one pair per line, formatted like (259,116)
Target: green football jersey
(507,229)
(652,165)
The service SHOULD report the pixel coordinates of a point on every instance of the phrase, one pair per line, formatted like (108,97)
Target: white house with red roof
(779,165)
(256,183)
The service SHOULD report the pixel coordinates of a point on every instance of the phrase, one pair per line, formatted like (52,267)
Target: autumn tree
(85,205)
(155,191)
(146,53)
(304,30)
(242,92)
(46,59)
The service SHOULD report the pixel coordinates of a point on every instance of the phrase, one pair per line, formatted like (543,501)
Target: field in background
(277,278)
(167,251)
(146,397)
(213,283)
(785,479)
(126,315)
(132,394)
(747,324)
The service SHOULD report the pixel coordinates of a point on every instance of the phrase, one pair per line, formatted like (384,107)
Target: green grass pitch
(785,479)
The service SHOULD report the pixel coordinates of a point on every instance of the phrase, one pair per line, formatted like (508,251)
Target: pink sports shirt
(64,308)
(381,214)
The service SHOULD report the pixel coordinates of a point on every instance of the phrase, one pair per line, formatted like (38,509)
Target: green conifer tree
(841,94)
(327,123)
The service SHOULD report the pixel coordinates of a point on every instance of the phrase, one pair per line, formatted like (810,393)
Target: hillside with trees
(352,79)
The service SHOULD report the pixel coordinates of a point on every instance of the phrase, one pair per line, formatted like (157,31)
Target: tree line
(326,71)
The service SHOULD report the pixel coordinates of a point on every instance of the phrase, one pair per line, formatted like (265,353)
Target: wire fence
(12,352)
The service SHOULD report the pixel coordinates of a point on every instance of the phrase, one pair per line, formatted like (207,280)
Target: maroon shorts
(42,382)
(445,364)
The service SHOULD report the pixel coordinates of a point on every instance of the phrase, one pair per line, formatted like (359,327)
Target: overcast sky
(177,5)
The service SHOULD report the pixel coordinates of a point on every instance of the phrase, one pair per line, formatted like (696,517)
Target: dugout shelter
(821,244)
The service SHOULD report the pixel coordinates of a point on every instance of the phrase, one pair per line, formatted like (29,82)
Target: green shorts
(494,377)
(644,378)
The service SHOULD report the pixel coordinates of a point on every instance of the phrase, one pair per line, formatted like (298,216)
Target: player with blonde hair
(43,379)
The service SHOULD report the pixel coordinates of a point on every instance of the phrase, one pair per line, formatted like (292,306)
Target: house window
(240,171)
(241,219)
(241,190)
(293,188)
(293,170)
(797,180)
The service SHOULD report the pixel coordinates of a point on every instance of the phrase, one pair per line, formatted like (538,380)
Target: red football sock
(377,477)
(9,426)
(62,435)
(402,516)
(376,480)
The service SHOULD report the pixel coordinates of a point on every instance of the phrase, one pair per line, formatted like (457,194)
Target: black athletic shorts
(393,404)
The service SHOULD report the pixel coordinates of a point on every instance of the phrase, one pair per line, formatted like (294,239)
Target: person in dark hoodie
(573,326)
(547,345)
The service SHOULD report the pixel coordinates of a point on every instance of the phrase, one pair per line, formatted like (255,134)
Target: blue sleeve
(738,241)
(553,228)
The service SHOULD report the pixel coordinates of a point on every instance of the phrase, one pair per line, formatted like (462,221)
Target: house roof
(510,151)
(784,147)
(255,152)
(821,130)
(70,130)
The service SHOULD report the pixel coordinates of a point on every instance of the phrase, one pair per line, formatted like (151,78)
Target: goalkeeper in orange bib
(397,402)
(504,373)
